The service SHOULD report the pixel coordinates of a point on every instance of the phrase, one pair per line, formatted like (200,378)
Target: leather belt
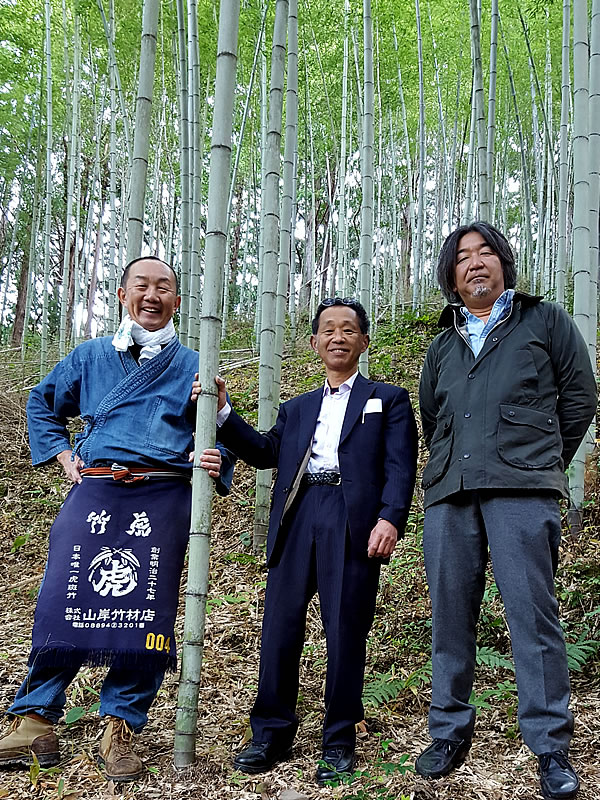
(321,479)
(130,474)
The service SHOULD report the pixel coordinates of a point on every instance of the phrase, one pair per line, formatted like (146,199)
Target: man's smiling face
(339,340)
(150,294)
(478,271)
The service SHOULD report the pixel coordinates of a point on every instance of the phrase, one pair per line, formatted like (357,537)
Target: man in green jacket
(507,394)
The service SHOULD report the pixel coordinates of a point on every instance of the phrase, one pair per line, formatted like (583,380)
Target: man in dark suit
(346,462)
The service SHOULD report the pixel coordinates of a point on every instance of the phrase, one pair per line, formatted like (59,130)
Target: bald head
(125,275)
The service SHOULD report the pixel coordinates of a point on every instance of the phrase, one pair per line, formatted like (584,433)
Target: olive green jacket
(513,417)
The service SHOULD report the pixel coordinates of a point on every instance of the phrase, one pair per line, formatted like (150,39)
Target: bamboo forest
(275,153)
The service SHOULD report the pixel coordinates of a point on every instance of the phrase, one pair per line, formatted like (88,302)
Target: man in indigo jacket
(109,595)
(346,461)
(507,394)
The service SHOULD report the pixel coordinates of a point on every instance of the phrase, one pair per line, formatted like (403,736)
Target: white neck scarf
(150,341)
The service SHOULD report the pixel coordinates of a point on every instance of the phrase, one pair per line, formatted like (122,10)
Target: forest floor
(397,687)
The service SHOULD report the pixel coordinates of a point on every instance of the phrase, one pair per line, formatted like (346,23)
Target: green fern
(419,677)
(503,691)
(580,652)
(489,657)
(383,688)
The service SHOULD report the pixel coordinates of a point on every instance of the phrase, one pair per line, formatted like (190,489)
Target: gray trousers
(522,532)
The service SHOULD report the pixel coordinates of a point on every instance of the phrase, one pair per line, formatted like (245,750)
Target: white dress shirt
(326,438)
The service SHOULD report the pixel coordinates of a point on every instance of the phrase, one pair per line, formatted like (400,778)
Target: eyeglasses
(340,301)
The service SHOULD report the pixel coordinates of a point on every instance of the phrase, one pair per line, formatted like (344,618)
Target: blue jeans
(125,693)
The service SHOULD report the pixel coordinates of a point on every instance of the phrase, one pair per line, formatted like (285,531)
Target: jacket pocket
(440,451)
(528,438)
(164,431)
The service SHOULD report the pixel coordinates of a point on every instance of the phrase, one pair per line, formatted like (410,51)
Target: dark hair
(446,268)
(350,302)
(125,274)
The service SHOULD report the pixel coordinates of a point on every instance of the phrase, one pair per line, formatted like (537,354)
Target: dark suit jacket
(377,454)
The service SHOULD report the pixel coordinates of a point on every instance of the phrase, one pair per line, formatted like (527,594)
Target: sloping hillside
(397,681)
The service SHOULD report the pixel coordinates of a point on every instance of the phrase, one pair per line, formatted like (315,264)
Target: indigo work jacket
(513,417)
(134,414)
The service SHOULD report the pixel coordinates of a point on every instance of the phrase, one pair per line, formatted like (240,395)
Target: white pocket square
(372,406)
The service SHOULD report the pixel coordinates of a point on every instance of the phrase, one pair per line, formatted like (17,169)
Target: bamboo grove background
(464,111)
(362,133)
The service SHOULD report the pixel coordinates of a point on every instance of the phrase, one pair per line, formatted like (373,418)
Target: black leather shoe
(338,761)
(558,779)
(260,757)
(441,757)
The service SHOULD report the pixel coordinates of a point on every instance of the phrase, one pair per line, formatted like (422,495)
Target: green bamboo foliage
(210,334)
(141,139)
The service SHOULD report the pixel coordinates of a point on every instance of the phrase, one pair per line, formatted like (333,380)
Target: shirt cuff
(223,415)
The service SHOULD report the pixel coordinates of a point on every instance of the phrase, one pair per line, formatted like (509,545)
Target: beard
(481,291)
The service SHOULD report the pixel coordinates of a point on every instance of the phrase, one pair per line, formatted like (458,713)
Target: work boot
(26,736)
(121,764)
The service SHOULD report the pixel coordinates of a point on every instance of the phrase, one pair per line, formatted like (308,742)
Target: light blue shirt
(478,329)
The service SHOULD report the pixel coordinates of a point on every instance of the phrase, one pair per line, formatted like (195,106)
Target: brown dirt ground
(499,766)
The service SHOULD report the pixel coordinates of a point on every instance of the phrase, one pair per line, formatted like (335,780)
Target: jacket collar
(451,311)
(362,389)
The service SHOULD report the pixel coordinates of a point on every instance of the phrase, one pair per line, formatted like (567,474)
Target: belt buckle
(338,481)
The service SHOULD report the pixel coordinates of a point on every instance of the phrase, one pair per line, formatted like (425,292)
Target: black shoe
(441,757)
(338,761)
(260,757)
(558,779)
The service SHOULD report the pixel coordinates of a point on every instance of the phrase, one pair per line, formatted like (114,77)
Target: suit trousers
(522,531)
(317,556)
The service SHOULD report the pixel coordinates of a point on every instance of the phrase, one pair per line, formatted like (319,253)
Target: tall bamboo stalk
(594,145)
(483,200)
(110,38)
(141,138)
(48,198)
(71,153)
(491,120)
(112,189)
(366,170)
(184,173)
(287,198)
(266,398)
(418,248)
(581,224)
(210,333)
